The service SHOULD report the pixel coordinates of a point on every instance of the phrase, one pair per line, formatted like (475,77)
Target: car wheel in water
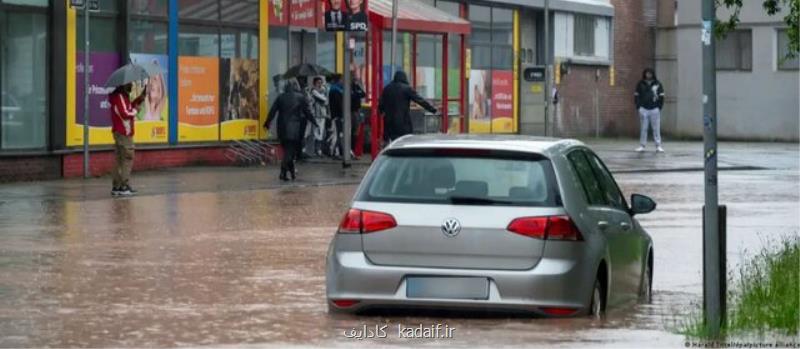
(646,286)
(598,306)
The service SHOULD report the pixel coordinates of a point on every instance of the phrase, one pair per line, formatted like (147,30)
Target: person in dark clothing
(649,98)
(336,105)
(357,95)
(291,109)
(395,105)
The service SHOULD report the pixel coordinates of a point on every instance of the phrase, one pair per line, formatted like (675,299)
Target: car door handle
(603,225)
(625,226)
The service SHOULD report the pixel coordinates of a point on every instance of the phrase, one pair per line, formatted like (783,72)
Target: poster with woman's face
(154,107)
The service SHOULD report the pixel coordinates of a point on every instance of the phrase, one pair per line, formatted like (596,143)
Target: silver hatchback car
(499,223)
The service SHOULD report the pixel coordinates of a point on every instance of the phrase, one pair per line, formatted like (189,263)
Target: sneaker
(640,149)
(659,149)
(115,191)
(123,192)
(127,190)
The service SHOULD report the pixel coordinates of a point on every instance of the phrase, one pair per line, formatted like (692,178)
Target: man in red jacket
(123,116)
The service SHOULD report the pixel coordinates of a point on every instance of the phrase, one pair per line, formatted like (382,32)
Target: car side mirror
(641,204)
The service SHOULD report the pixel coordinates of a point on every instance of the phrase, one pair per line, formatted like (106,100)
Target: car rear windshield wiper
(467,200)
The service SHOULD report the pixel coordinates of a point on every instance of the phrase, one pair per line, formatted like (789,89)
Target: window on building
(278,59)
(326,50)
(481,36)
(23,77)
(502,39)
(783,62)
(584,35)
(148,26)
(735,51)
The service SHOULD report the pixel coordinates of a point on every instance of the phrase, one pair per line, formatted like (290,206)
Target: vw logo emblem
(451,227)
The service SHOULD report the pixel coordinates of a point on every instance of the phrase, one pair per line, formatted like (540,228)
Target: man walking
(123,116)
(395,105)
(336,104)
(291,108)
(649,98)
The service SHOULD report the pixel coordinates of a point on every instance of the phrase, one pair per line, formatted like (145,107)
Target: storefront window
(148,36)
(502,36)
(148,7)
(278,59)
(429,66)
(452,8)
(198,41)
(23,74)
(103,33)
(204,10)
(42,3)
(326,50)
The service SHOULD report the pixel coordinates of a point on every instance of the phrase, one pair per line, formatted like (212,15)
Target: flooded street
(246,267)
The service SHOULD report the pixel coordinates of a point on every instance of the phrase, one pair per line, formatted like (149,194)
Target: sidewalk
(619,156)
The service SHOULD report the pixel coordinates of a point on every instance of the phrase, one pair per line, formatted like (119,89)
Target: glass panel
(248,44)
(727,52)
(502,26)
(148,37)
(228,43)
(584,35)
(746,50)
(239,11)
(481,19)
(198,41)
(387,53)
(198,9)
(23,68)
(102,34)
(429,66)
(590,185)
(610,188)
(481,56)
(148,7)
(502,57)
(783,49)
(326,50)
(452,8)
(454,66)
(278,59)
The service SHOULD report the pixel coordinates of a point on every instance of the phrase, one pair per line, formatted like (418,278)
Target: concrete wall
(761,104)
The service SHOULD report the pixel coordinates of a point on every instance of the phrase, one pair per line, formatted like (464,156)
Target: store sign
(346,15)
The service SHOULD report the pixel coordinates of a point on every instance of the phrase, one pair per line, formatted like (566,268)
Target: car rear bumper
(563,278)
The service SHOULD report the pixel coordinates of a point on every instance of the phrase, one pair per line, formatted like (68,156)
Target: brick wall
(585,92)
(103,161)
(29,168)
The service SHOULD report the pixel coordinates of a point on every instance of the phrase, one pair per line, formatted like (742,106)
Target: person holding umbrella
(291,109)
(123,116)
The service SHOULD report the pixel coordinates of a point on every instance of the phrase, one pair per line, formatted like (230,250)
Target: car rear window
(452,177)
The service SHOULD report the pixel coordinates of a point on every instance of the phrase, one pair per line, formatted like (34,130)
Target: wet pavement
(231,257)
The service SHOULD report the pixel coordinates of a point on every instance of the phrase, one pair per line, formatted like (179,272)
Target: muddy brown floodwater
(242,268)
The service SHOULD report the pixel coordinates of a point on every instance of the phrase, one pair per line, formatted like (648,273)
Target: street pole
(712,301)
(346,103)
(393,51)
(86,72)
(547,72)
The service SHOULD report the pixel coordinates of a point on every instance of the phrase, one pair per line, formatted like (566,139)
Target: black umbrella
(306,69)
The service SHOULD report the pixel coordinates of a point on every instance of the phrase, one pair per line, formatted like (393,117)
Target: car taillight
(344,303)
(546,228)
(559,311)
(362,222)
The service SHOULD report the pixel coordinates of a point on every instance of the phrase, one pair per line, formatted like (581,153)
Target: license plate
(447,287)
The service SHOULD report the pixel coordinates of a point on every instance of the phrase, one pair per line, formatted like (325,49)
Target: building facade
(757,89)
(222,59)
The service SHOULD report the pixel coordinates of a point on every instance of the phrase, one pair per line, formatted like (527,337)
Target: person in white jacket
(319,97)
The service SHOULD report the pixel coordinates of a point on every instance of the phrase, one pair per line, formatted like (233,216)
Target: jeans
(650,118)
(123,154)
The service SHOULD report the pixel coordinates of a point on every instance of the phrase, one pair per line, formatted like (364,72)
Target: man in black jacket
(649,98)
(292,109)
(395,105)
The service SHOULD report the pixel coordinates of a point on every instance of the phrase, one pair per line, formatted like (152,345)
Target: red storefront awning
(415,16)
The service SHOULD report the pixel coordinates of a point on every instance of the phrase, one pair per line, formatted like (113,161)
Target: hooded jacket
(291,108)
(649,93)
(395,105)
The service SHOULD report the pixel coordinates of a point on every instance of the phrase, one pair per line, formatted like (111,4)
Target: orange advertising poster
(198,99)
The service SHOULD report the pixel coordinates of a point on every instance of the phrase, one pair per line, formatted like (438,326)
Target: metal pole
(711,251)
(346,103)
(547,72)
(86,72)
(393,50)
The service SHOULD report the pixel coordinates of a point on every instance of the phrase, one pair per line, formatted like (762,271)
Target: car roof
(518,143)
